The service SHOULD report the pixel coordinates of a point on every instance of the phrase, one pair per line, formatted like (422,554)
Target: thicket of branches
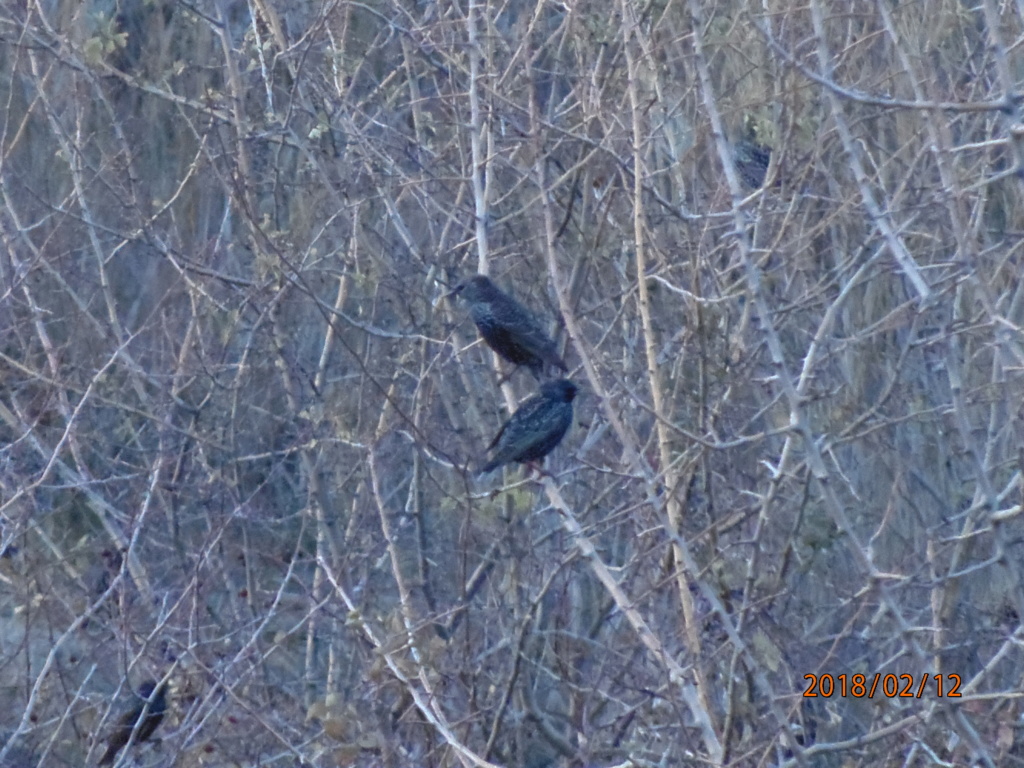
(239,418)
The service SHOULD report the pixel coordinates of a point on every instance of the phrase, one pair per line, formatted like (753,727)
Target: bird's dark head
(475,289)
(562,390)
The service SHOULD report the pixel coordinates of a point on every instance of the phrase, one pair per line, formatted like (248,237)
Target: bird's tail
(550,360)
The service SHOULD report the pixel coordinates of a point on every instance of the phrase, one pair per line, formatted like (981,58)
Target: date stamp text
(891,686)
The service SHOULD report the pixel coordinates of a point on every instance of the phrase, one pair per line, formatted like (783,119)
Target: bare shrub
(780,248)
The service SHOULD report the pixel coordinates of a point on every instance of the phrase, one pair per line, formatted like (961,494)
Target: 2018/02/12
(857,685)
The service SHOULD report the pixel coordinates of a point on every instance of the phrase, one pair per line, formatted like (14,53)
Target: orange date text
(891,686)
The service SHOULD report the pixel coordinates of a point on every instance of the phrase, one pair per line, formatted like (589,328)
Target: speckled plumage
(752,162)
(537,426)
(122,732)
(507,326)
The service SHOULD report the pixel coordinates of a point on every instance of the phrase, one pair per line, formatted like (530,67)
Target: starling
(153,704)
(537,426)
(752,161)
(507,326)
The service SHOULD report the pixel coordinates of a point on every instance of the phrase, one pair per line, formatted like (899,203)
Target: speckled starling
(752,162)
(537,426)
(150,721)
(507,326)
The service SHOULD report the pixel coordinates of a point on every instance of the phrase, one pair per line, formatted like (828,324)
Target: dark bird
(752,161)
(142,718)
(507,326)
(537,426)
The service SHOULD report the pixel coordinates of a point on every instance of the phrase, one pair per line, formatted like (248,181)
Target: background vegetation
(239,419)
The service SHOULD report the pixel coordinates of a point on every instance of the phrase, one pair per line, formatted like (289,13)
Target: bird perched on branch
(141,718)
(508,327)
(537,426)
(752,162)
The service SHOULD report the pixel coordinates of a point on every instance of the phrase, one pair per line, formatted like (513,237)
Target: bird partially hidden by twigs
(142,718)
(537,426)
(752,162)
(508,327)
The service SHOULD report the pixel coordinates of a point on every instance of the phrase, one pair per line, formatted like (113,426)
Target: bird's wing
(528,332)
(512,430)
(512,314)
(520,431)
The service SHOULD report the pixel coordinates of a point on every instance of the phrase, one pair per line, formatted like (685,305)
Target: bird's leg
(534,466)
